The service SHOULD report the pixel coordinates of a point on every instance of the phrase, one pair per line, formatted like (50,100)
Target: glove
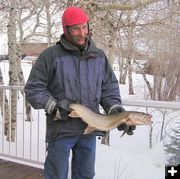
(59,110)
(129,129)
(117,110)
(123,127)
(62,110)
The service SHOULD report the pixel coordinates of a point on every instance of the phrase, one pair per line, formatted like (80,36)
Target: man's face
(78,34)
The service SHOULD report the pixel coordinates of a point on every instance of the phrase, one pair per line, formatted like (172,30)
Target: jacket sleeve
(36,87)
(110,94)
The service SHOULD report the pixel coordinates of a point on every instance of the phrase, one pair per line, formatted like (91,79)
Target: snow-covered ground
(127,157)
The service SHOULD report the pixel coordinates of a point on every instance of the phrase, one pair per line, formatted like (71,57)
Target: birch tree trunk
(4,106)
(48,16)
(13,77)
(129,57)
(121,62)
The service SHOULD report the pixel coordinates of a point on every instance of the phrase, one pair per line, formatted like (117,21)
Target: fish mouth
(143,122)
(146,120)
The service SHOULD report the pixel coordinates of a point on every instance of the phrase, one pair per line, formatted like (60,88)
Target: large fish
(108,122)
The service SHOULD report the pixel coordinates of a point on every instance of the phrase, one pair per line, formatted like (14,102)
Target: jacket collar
(90,48)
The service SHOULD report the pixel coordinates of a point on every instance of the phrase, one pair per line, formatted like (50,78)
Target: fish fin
(129,122)
(74,114)
(89,130)
(125,131)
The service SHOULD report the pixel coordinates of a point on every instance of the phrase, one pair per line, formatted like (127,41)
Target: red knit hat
(73,16)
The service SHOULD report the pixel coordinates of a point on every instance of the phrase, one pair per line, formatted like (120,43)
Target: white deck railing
(29,146)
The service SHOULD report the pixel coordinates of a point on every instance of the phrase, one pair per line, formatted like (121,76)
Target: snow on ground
(115,163)
(127,157)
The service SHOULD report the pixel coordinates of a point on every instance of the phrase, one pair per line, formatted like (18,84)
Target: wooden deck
(12,170)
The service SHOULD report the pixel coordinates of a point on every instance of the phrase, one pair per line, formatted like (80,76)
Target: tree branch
(116,6)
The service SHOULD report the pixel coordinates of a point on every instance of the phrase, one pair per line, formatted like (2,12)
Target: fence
(29,145)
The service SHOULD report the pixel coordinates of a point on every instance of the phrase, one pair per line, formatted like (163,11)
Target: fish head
(140,118)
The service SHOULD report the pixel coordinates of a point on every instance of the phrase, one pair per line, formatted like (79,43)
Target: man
(73,70)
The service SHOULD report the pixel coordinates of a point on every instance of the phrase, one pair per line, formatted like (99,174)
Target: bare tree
(4,106)
(13,78)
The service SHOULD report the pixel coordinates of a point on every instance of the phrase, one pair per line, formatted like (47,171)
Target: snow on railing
(151,104)
(29,145)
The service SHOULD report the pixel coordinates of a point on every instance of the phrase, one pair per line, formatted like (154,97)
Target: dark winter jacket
(63,72)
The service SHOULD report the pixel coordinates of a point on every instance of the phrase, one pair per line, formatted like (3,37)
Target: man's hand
(123,127)
(128,129)
(61,110)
